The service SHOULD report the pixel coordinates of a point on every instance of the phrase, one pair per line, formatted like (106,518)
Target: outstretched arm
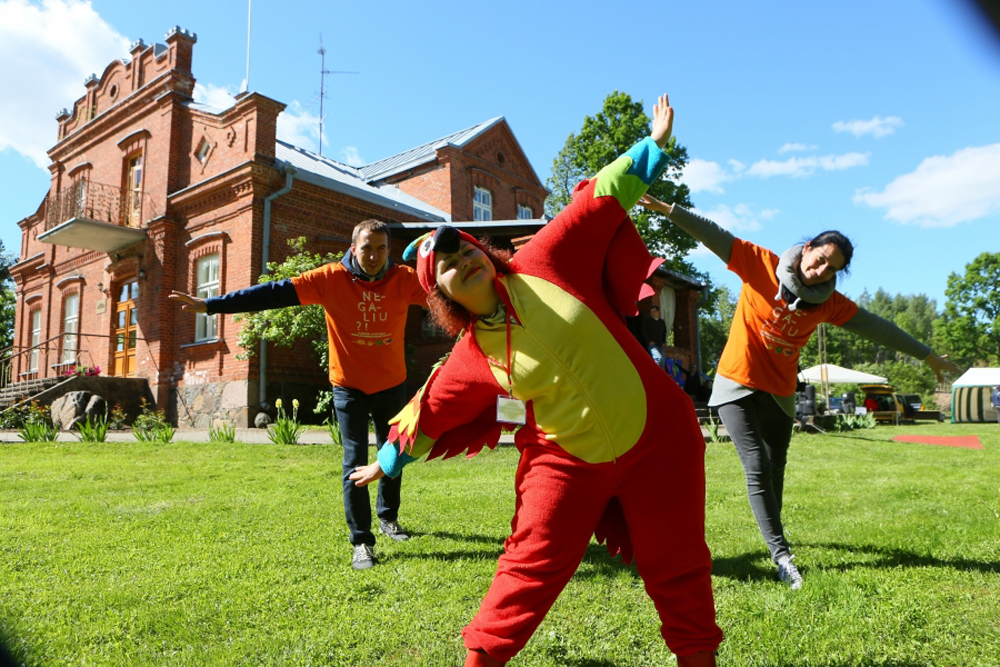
(880,330)
(715,238)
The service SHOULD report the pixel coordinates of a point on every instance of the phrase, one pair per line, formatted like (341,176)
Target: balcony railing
(96,216)
(98,202)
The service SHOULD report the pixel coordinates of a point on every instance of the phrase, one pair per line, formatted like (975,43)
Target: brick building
(152,192)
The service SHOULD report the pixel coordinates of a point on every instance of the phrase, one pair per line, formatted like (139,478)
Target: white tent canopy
(839,375)
(971,394)
(978,377)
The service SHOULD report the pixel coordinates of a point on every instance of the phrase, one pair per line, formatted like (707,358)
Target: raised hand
(663,121)
(188,302)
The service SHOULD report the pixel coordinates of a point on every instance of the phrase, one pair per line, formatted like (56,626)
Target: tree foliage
(619,125)
(969,329)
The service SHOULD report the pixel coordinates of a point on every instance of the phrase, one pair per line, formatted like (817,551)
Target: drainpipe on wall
(265,257)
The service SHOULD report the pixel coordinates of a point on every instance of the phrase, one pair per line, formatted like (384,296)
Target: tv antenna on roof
(323,71)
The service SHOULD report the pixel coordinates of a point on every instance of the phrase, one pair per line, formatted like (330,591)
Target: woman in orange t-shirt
(783,299)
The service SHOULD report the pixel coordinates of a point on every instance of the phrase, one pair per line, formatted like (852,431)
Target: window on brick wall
(206,327)
(133,189)
(36,339)
(71,328)
(482,204)
(525,212)
(204,148)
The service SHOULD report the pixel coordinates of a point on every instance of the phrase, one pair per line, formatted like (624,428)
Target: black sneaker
(392,529)
(364,557)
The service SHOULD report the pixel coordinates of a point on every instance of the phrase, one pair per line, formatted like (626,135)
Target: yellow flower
(295,403)
(277,403)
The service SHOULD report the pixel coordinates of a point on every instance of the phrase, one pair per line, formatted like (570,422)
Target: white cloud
(703,175)
(802,167)
(217,97)
(48,50)
(740,218)
(943,191)
(788,148)
(298,127)
(351,156)
(877,126)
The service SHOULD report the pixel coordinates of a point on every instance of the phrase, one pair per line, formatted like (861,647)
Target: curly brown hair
(449,315)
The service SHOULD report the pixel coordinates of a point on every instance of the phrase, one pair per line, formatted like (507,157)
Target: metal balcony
(94,216)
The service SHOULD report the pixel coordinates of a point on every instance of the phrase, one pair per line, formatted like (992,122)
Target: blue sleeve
(266,296)
(391,460)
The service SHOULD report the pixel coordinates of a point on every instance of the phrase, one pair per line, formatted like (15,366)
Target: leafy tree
(7,300)
(969,329)
(606,135)
(286,325)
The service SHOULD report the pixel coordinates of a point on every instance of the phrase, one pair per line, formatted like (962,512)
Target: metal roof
(423,153)
(340,177)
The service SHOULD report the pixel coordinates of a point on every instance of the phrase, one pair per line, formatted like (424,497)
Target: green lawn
(203,554)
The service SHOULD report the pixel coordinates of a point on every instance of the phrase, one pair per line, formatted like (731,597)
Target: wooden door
(126,329)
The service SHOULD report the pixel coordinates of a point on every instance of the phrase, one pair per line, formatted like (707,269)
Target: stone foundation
(207,405)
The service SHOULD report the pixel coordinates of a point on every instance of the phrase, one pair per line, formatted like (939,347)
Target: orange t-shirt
(365,322)
(766,336)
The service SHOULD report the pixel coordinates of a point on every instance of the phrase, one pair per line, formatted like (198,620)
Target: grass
(232,554)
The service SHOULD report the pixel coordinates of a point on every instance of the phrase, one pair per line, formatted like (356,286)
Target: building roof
(339,177)
(423,153)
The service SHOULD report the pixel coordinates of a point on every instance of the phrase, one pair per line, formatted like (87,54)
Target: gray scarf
(788,275)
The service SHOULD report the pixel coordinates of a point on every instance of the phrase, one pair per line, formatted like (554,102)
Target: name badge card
(511,411)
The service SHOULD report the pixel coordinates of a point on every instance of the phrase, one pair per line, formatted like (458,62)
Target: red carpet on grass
(967,441)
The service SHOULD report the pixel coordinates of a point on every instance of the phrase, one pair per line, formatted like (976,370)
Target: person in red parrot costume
(610,445)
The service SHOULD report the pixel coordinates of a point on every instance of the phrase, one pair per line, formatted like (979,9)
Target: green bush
(152,426)
(96,431)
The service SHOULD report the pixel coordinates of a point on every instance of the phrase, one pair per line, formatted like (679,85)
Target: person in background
(995,399)
(366,298)
(654,333)
(783,299)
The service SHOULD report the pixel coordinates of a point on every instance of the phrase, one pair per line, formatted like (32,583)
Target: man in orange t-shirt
(366,298)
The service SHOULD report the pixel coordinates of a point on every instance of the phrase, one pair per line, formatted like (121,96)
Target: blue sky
(881,119)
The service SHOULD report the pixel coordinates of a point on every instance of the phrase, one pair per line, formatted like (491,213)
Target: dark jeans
(354,407)
(761,432)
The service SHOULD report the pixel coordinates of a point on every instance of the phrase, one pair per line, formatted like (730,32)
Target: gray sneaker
(364,557)
(788,573)
(392,529)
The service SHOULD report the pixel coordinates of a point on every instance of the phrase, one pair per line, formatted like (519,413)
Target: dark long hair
(843,244)
(449,315)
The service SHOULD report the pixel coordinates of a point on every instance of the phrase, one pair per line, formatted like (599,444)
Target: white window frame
(482,204)
(71,328)
(525,212)
(36,339)
(206,327)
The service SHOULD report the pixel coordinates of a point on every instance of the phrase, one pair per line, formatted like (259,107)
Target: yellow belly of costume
(586,393)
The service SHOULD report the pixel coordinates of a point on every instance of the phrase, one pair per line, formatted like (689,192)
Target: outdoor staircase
(21,391)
